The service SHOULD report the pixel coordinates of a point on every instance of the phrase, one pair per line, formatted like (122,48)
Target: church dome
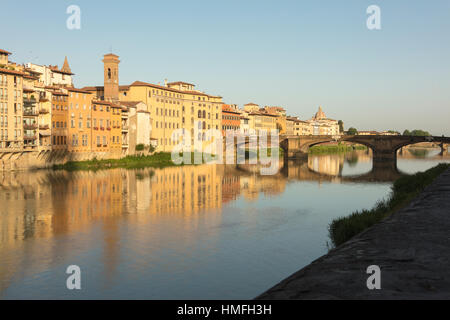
(320,114)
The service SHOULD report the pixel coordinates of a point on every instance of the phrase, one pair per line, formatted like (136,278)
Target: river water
(192,232)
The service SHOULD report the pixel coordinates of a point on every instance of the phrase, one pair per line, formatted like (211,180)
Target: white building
(52,75)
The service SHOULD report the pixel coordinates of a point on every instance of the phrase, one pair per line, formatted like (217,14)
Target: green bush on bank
(157,160)
(403,191)
(340,148)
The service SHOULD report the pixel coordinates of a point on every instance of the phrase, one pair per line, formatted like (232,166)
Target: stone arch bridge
(384,148)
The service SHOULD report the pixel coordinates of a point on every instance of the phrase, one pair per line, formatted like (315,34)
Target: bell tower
(111,77)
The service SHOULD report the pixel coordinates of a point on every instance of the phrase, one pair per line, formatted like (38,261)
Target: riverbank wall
(20,161)
(410,248)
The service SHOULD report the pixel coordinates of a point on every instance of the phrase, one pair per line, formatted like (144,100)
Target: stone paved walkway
(412,248)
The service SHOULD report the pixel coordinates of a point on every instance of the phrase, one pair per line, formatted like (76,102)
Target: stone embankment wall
(40,160)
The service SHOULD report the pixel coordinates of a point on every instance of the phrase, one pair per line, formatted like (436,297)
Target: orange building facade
(116,129)
(231,119)
(79,120)
(59,120)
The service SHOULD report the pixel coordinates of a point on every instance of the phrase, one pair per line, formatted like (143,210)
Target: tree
(341,126)
(416,133)
(420,133)
(352,131)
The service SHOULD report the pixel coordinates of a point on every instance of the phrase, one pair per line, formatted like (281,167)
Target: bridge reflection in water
(331,168)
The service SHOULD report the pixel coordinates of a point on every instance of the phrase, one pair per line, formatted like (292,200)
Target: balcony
(43,127)
(29,137)
(43,111)
(30,113)
(29,101)
(95,128)
(43,98)
(30,126)
(124,128)
(109,129)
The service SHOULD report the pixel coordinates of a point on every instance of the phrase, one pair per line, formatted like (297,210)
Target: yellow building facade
(11,104)
(176,106)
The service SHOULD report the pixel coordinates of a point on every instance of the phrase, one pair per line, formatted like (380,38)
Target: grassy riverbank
(341,148)
(157,160)
(258,153)
(403,191)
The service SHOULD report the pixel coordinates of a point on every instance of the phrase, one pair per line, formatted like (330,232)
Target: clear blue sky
(297,54)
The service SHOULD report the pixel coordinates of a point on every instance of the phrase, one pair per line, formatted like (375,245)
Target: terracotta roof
(180,82)
(262,114)
(55,69)
(300,121)
(274,108)
(5,52)
(251,104)
(27,76)
(106,103)
(130,103)
(97,88)
(79,90)
(145,84)
(111,54)
(227,109)
(17,73)
(56,93)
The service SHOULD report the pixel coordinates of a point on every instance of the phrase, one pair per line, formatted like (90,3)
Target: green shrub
(403,191)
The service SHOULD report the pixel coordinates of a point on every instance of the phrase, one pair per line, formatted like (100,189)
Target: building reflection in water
(42,212)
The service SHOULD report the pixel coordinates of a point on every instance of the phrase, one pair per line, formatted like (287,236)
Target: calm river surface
(204,232)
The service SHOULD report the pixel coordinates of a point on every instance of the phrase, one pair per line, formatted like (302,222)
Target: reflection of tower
(111,77)
(111,247)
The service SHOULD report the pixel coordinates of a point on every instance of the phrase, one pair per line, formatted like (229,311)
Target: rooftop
(5,52)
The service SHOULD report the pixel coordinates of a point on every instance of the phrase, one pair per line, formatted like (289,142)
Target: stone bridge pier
(293,149)
(444,149)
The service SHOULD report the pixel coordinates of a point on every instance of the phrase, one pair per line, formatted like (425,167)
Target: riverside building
(172,106)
